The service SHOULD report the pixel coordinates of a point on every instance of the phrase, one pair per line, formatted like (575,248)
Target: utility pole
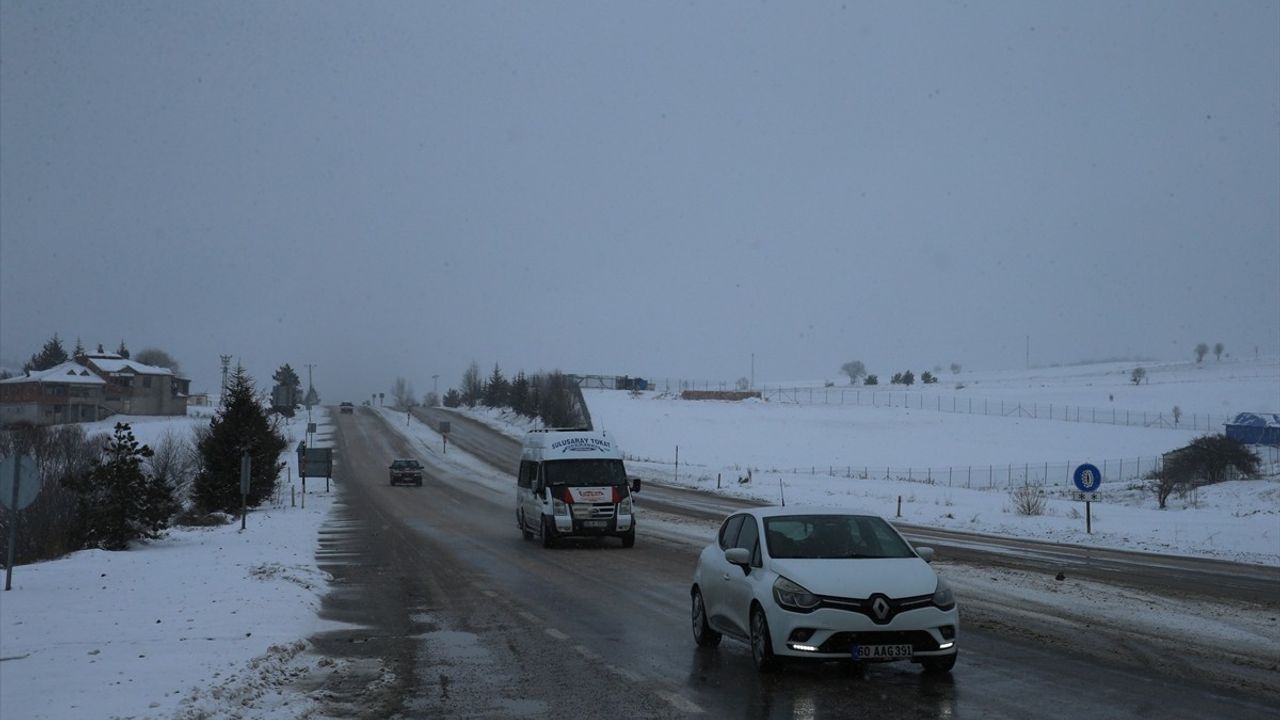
(226,364)
(1028,352)
(753,372)
(435,388)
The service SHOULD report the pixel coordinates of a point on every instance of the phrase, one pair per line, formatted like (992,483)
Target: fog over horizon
(655,189)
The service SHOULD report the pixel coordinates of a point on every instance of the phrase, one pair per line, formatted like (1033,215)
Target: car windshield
(832,537)
(581,473)
(405,464)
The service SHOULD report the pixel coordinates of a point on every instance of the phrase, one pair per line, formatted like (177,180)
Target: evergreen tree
(871,380)
(518,396)
(288,393)
(78,353)
(241,424)
(123,351)
(452,399)
(497,392)
(118,500)
(51,354)
(908,378)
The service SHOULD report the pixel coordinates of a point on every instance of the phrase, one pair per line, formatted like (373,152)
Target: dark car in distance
(406,471)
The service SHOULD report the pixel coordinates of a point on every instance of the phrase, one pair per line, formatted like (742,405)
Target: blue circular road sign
(1088,478)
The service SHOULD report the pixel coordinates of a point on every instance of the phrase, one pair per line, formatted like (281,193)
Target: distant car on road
(346,408)
(407,471)
(823,584)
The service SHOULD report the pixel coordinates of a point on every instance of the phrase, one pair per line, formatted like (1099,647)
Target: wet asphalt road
(452,614)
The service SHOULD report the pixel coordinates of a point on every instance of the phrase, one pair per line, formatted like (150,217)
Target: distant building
(92,387)
(1255,428)
(64,393)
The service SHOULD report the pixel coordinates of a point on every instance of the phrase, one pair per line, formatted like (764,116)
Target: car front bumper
(831,634)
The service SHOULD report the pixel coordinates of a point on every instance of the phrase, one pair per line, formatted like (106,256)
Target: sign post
(246,464)
(445,427)
(1088,479)
(16,496)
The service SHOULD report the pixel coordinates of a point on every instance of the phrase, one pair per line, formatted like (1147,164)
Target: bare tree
(472,385)
(955,368)
(1177,415)
(854,369)
(1138,375)
(175,461)
(157,357)
(402,393)
(1201,350)
(1217,351)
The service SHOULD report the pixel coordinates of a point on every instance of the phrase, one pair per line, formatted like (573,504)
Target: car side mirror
(738,556)
(635,484)
(925,553)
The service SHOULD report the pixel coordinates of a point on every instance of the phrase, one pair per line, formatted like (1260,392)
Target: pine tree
(518,397)
(498,390)
(241,424)
(118,500)
(78,353)
(123,351)
(286,401)
(51,354)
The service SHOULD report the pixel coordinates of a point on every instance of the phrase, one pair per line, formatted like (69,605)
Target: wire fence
(1117,471)
(995,408)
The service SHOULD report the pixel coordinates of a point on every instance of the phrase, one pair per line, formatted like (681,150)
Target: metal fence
(996,408)
(1118,471)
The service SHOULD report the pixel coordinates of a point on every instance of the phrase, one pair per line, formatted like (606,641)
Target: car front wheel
(548,537)
(702,632)
(761,644)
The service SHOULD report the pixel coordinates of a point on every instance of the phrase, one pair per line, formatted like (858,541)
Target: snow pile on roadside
(204,623)
(504,420)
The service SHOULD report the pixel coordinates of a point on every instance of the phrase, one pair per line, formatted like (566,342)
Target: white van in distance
(571,483)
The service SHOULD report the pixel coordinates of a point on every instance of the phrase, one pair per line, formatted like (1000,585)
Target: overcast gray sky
(659,189)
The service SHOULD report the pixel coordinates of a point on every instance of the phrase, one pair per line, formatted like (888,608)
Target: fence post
(948,476)
(991,476)
(968,483)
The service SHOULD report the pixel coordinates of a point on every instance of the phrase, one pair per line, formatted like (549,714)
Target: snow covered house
(92,387)
(64,393)
(1255,428)
(135,388)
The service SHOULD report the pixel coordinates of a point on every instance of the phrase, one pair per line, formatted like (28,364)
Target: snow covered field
(204,623)
(954,470)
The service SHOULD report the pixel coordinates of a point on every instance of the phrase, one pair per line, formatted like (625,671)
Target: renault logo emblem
(880,607)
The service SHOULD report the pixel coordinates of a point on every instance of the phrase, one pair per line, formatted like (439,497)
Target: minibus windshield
(583,473)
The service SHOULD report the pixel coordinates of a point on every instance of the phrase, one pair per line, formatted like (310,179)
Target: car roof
(782,511)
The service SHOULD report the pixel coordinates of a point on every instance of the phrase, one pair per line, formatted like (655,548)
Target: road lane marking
(556,634)
(489,593)
(586,652)
(530,617)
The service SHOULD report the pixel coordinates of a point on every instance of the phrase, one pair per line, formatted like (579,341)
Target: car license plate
(881,652)
(594,523)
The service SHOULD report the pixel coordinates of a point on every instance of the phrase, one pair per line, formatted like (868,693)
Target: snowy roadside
(203,623)
(1238,521)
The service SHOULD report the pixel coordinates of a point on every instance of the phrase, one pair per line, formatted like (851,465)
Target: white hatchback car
(823,584)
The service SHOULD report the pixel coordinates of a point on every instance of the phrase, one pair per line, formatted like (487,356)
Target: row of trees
(551,397)
(856,369)
(53,353)
(108,490)
(1202,349)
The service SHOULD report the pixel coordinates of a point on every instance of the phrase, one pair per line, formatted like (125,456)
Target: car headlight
(791,596)
(624,507)
(559,508)
(943,597)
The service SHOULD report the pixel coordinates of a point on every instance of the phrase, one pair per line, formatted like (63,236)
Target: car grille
(842,642)
(593,511)
(868,606)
